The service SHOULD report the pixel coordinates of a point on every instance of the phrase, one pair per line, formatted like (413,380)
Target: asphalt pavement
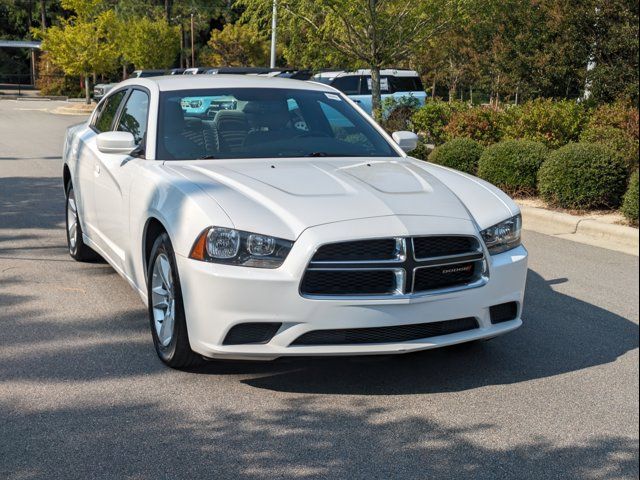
(82,394)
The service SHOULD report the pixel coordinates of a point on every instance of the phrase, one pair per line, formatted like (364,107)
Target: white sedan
(265,217)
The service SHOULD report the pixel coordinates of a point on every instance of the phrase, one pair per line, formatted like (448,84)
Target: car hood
(284,197)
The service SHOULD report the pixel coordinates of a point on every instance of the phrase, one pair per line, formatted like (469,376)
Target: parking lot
(83,395)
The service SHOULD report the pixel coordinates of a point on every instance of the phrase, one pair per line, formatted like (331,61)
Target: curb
(582,229)
(73,110)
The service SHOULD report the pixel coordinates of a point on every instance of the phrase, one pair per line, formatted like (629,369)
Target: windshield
(263,123)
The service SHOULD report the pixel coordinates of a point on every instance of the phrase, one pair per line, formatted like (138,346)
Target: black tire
(78,250)
(177,353)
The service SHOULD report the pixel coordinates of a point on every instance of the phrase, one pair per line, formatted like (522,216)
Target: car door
(115,174)
(86,153)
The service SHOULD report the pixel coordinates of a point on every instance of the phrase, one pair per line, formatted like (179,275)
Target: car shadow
(26,202)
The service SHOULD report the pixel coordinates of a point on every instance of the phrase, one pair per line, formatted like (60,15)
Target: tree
(237,44)
(366,33)
(615,51)
(148,43)
(85,43)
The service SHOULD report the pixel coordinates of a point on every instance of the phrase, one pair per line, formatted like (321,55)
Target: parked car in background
(195,71)
(270,230)
(394,83)
(101,89)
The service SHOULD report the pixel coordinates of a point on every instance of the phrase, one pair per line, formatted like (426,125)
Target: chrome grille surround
(405,265)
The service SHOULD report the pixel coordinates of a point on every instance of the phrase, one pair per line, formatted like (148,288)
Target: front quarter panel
(183,209)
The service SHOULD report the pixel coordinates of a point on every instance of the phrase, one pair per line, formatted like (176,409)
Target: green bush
(630,201)
(432,117)
(555,123)
(482,124)
(583,176)
(617,139)
(513,165)
(620,115)
(460,153)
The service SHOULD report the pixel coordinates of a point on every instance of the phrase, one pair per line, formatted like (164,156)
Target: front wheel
(166,309)
(77,248)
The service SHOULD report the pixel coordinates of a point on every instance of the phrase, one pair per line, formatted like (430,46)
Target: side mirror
(121,143)
(407,141)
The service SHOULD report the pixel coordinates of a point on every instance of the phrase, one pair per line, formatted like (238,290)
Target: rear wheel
(77,248)
(166,309)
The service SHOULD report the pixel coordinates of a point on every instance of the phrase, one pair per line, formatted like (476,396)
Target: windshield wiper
(207,157)
(325,154)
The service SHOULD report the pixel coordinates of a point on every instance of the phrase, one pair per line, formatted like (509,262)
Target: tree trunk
(376,97)
(43,14)
(433,88)
(168,4)
(87,96)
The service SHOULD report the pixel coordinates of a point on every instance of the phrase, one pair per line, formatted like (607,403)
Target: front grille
(349,282)
(440,246)
(430,278)
(359,250)
(397,333)
(394,266)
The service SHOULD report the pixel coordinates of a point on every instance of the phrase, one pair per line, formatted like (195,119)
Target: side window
(349,85)
(105,117)
(343,129)
(384,85)
(134,115)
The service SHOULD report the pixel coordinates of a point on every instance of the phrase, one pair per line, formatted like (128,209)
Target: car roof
(186,82)
(394,72)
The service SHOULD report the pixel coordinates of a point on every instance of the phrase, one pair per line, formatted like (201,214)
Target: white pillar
(274,24)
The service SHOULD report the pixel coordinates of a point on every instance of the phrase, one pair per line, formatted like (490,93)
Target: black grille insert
(431,278)
(504,312)
(440,246)
(360,250)
(251,333)
(348,282)
(397,333)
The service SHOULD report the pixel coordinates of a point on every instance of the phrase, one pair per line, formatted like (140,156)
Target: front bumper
(217,297)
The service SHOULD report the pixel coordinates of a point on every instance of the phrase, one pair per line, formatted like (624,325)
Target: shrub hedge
(432,117)
(482,124)
(630,201)
(618,115)
(583,176)
(555,123)
(460,153)
(617,139)
(513,165)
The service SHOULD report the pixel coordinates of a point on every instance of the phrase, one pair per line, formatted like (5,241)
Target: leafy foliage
(483,124)
(513,165)
(460,153)
(237,45)
(365,33)
(630,201)
(148,43)
(554,123)
(432,117)
(583,176)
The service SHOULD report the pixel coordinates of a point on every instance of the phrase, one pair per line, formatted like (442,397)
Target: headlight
(235,247)
(503,236)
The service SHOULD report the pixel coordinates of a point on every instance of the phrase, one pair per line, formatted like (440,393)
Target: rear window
(406,84)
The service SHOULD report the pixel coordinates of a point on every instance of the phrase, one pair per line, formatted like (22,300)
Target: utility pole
(274,25)
(193,53)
